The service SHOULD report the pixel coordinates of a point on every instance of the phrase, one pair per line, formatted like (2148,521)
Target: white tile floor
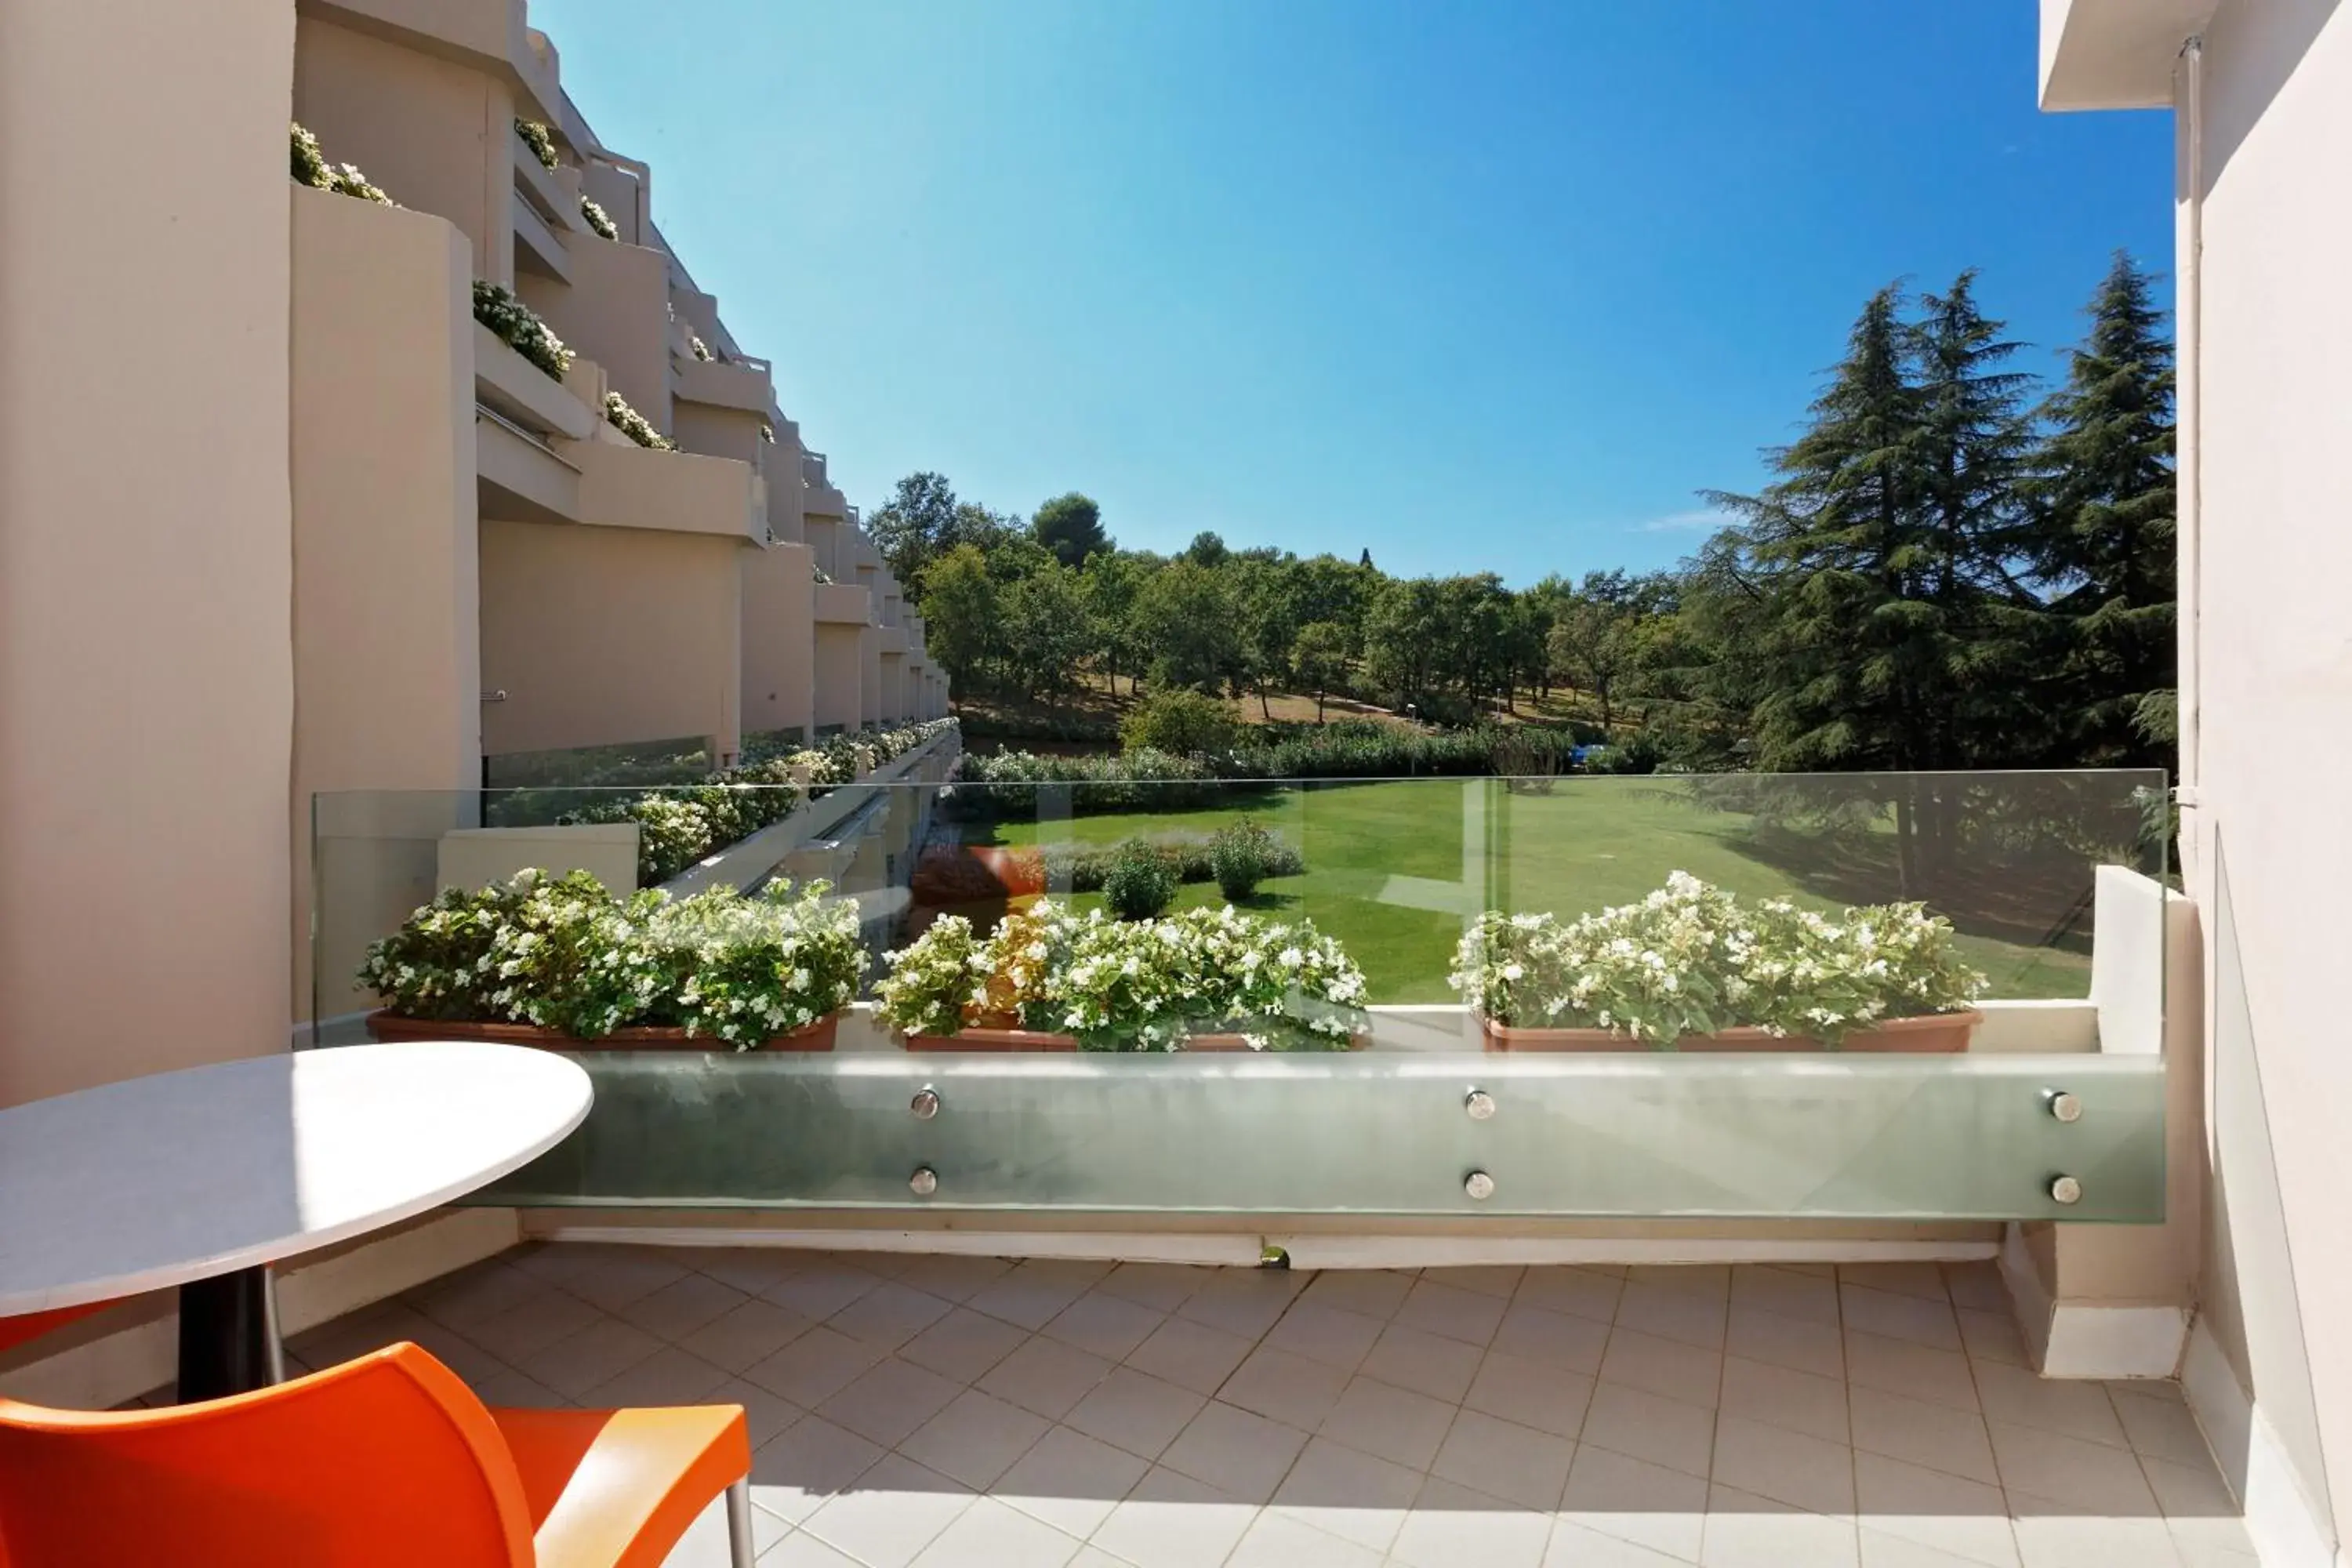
(972,1412)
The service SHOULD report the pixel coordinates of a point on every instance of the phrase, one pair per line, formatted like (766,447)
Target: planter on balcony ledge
(999,1034)
(1691,967)
(387,1025)
(1178,982)
(1930,1033)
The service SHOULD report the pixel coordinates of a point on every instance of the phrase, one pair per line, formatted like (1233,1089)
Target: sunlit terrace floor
(967,1411)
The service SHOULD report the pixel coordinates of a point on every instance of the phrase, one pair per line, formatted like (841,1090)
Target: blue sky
(1480,285)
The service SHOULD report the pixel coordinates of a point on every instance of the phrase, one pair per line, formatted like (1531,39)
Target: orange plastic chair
(388,1461)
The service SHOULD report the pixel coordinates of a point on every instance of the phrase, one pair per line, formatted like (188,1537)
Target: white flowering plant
(745,969)
(594,214)
(309,167)
(1130,985)
(566,954)
(541,141)
(621,416)
(521,328)
(1693,959)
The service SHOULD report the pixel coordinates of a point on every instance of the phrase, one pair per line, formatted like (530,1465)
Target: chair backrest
(387,1461)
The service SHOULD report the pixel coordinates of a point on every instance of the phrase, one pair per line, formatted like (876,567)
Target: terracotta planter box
(996,1039)
(1240,1043)
(982,1039)
(386,1026)
(1935,1033)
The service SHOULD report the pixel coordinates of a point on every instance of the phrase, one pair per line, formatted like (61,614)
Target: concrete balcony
(616,313)
(744,385)
(820,499)
(623,484)
(553,194)
(537,248)
(492,35)
(890,642)
(519,390)
(843,605)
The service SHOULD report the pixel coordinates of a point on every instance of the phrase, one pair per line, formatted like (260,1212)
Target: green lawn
(1388,876)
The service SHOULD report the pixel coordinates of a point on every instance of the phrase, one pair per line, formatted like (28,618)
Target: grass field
(1387,872)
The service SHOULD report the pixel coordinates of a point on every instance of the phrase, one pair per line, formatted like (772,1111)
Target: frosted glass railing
(2034,1088)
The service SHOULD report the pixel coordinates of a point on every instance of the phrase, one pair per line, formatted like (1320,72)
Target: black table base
(228,1336)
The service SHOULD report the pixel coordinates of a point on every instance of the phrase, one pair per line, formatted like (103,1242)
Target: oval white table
(203,1178)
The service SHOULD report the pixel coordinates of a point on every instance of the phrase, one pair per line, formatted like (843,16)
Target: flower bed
(572,964)
(594,214)
(1691,967)
(1090,983)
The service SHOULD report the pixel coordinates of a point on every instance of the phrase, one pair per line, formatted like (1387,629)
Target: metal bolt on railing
(1480,1186)
(2065,1189)
(924,1182)
(926,1103)
(2062,1105)
(1478,1104)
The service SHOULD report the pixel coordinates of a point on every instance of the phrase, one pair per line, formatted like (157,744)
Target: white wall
(2272,637)
(146,671)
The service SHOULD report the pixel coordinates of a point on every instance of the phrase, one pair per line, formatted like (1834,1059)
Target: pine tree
(1887,627)
(2103,495)
(1832,549)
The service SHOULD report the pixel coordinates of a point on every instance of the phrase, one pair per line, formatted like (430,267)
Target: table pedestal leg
(228,1336)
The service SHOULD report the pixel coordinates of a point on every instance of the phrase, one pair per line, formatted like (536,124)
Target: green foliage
(634,425)
(2103,482)
(1071,527)
(1320,658)
(310,168)
(598,219)
(1243,855)
(960,614)
(566,954)
(1143,779)
(1692,959)
(521,329)
(1044,630)
(1180,722)
(1185,616)
(542,140)
(1141,883)
(1938,577)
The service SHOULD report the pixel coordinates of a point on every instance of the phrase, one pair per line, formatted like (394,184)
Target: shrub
(519,328)
(1180,723)
(566,955)
(634,425)
(1241,857)
(701,349)
(1691,959)
(542,142)
(310,168)
(598,219)
(1141,883)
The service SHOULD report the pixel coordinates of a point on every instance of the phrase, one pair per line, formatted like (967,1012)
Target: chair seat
(615,1489)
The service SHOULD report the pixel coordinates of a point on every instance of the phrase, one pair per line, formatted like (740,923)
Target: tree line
(1953,566)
